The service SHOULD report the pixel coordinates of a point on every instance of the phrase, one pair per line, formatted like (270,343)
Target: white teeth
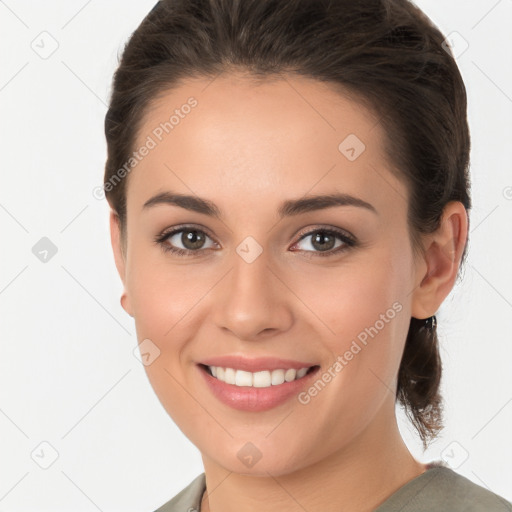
(301,373)
(263,379)
(277,377)
(290,375)
(230,376)
(243,378)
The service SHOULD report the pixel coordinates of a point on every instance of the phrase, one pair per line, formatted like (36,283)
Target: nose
(252,302)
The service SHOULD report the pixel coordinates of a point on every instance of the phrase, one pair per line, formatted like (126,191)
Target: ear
(119,257)
(439,267)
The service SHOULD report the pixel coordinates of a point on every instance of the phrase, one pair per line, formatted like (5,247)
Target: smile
(261,379)
(259,390)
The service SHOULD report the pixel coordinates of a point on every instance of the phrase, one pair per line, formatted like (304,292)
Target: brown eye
(184,241)
(323,242)
(192,239)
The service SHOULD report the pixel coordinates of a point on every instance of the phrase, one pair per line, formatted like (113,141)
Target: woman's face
(327,284)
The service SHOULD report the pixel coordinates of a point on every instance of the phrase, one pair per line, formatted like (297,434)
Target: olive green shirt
(439,489)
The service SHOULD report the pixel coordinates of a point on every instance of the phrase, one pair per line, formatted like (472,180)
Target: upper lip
(255,364)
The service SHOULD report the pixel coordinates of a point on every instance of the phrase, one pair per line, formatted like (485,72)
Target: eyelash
(348,241)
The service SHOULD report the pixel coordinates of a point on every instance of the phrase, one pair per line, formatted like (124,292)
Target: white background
(68,376)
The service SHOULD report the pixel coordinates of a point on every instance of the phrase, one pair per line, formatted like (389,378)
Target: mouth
(259,379)
(256,391)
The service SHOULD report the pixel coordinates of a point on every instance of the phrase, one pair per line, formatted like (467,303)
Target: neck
(357,478)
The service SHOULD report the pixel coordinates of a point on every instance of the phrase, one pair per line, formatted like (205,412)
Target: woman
(290,194)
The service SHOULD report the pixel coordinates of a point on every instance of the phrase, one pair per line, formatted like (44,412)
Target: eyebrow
(287,208)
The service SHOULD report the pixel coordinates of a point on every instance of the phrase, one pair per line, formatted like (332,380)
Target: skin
(247,147)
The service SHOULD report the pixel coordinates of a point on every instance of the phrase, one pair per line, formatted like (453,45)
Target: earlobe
(125,303)
(119,257)
(443,255)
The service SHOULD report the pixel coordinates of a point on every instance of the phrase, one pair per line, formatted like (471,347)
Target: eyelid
(182,227)
(330,229)
(300,235)
(347,238)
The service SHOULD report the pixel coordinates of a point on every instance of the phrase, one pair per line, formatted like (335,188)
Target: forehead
(286,136)
(241,106)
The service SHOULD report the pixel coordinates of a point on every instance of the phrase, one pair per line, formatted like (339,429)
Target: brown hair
(386,53)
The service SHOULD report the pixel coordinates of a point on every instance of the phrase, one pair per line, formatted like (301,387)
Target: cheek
(364,309)
(167,302)
(354,297)
(163,300)
(368,323)
(163,295)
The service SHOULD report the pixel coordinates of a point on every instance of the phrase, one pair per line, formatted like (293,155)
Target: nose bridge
(250,268)
(250,301)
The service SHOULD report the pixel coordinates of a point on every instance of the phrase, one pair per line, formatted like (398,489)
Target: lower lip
(245,398)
